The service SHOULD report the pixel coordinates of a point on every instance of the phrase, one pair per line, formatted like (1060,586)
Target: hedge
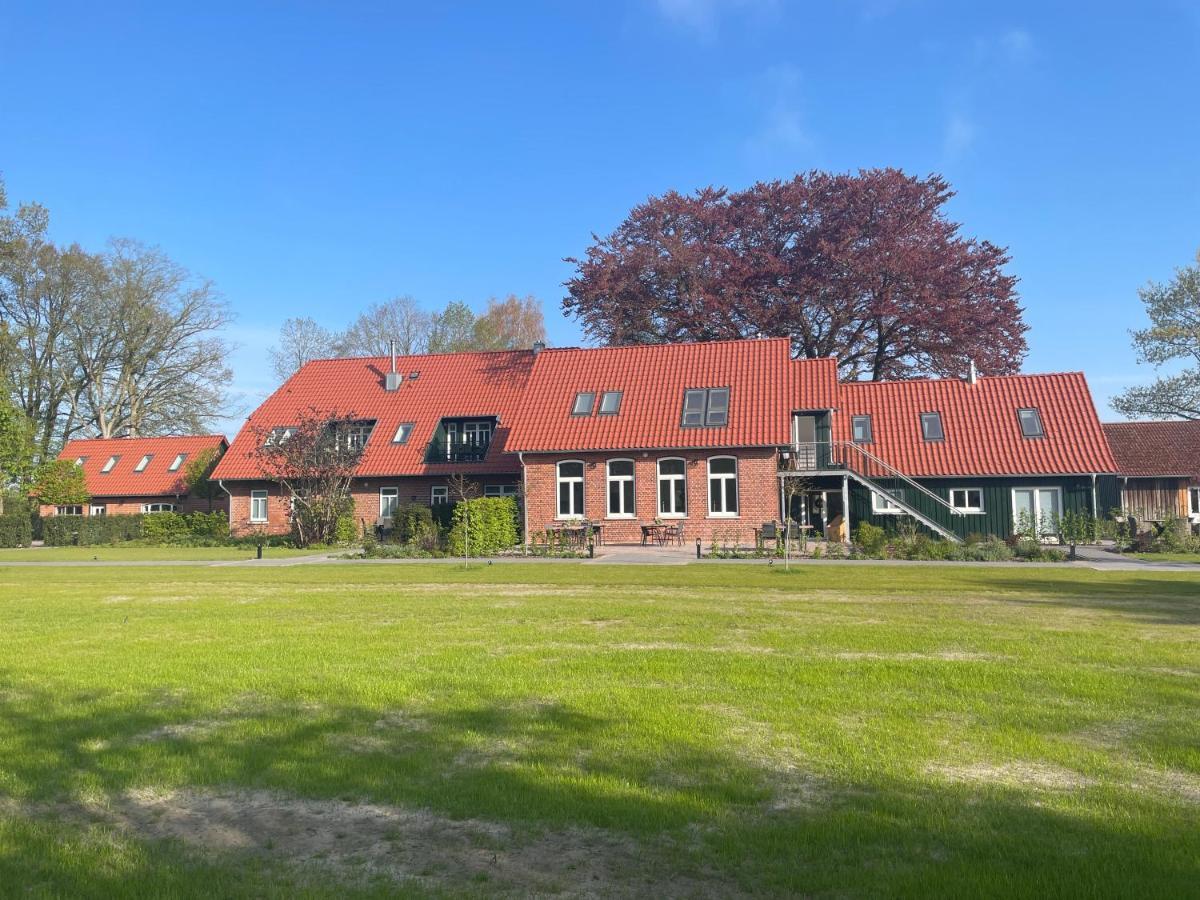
(493,526)
(16,530)
(63,531)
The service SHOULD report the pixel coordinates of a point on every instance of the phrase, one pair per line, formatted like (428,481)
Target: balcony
(457,450)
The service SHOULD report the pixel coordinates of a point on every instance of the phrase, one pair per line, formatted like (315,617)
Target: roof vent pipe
(391,381)
(972,372)
(538,347)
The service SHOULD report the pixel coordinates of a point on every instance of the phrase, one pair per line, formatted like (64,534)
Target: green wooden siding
(996,518)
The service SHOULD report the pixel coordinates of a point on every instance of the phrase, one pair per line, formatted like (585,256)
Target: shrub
(211,525)
(346,530)
(991,549)
(414,524)
(870,540)
(164,528)
(60,482)
(63,531)
(16,529)
(492,527)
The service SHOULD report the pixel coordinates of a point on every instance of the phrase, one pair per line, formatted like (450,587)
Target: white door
(1042,508)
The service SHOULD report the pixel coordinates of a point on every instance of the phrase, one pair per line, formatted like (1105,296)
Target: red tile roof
(765,386)
(1156,449)
(153,481)
(982,432)
(453,385)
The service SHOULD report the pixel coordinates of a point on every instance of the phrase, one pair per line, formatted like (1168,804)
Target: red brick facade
(128,506)
(758,493)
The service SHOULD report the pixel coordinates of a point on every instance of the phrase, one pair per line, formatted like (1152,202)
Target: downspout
(1095,503)
(846,506)
(229,513)
(524,502)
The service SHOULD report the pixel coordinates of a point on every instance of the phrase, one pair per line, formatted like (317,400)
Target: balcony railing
(457,450)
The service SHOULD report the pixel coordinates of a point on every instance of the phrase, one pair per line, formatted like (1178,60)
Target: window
(500,490)
(439,494)
(1031,423)
(861,427)
(1037,509)
(258,506)
(1194,504)
(477,434)
(705,407)
(80,460)
(70,510)
(584,401)
(389,502)
(931,426)
(108,466)
(357,434)
(570,489)
(177,462)
(279,435)
(403,431)
(722,486)
(621,502)
(610,403)
(143,462)
(882,505)
(100,510)
(672,488)
(158,507)
(967,499)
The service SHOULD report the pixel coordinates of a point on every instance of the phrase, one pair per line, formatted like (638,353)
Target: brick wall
(758,493)
(127,506)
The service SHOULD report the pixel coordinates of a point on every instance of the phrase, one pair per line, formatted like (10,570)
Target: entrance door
(804,441)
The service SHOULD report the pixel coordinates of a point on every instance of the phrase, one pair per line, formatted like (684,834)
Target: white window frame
(604,398)
(967,507)
(1037,505)
(80,460)
(477,434)
(177,462)
(403,433)
(143,462)
(389,493)
(161,507)
(357,434)
(112,461)
(262,497)
(883,505)
(560,480)
(724,477)
(100,509)
(439,491)
(1194,501)
(65,509)
(671,479)
(279,435)
(500,490)
(610,479)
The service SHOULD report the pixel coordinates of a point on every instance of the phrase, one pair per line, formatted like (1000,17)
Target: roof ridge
(412,356)
(633,346)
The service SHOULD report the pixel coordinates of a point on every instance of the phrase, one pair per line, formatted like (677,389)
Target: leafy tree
(399,319)
(16,447)
(513,323)
(196,474)
(315,465)
(300,341)
(865,267)
(60,482)
(1173,335)
(453,329)
(1077,528)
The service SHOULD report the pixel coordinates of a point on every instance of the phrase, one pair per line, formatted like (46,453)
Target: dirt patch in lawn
(1041,776)
(359,841)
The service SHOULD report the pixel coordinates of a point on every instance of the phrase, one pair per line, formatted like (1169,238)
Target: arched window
(570,489)
(672,488)
(722,486)
(621,496)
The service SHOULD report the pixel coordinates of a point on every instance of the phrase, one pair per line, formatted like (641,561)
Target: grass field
(133,553)
(1169,557)
(590,731)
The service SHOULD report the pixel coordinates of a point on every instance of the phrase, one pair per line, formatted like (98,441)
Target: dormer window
(610,403)
(931,426)
(177,462)
(357,434)
(584,401)
(143,462)
(861,429)
(705,408)
(108,466)
(403,432)
(279,435)
(1031,423)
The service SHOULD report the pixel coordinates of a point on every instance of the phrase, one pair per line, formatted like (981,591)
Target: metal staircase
(848,458)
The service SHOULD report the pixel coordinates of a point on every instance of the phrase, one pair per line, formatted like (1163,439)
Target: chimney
(391,381)
(972,372)
(538,347)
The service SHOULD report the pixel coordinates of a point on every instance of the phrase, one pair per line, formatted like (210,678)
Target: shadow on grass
(1148,600)
(537,767)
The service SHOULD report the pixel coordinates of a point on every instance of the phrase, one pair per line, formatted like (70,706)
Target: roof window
(584,401)
(403,432)
(1031,423)
(177,462)
(610,403)
(861,428)
(108,466)
(705,407)
(931,426)
(143,462)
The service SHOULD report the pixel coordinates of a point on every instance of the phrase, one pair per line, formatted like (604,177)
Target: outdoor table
(656,533)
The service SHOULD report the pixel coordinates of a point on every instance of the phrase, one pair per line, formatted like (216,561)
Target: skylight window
(1031,423)
(610,403)
(403,432)
(80,460)
(108,466)
(584,401)
(861,426)
(177,462)
(143,462)
(931,426)
(705,408)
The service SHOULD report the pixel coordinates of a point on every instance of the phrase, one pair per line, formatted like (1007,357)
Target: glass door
(1037,509)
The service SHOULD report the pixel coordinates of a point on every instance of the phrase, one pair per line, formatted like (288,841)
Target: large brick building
(713,439)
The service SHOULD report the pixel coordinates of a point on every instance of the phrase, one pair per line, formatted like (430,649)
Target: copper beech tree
(865,267)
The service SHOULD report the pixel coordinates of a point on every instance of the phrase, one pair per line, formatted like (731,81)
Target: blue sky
(311,159)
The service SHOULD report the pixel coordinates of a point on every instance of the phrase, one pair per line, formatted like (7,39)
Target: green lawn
(679,731)
(1170,557)
(134,553)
